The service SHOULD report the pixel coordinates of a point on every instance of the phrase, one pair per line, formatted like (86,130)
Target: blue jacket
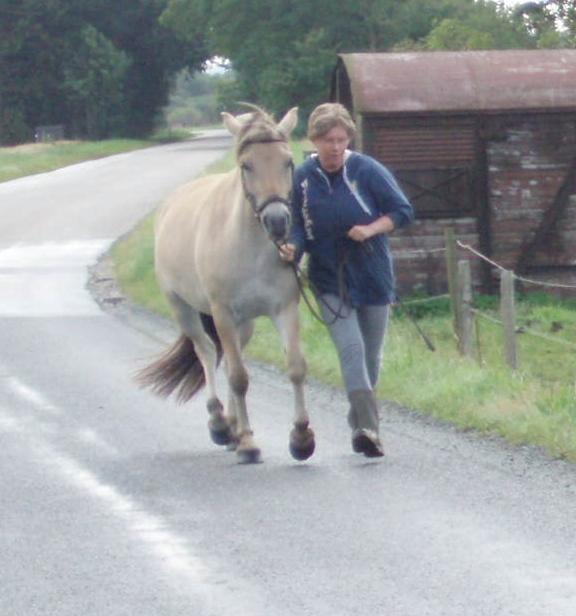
(325,208)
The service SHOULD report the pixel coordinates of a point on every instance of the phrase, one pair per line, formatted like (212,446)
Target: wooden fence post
(508,316)
(452,275)
(465,315)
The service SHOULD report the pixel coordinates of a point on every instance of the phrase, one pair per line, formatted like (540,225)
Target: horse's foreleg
(231,340)
(245,331)
(302,441)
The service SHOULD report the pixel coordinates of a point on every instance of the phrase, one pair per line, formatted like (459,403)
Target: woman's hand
(287,252)
(361,233)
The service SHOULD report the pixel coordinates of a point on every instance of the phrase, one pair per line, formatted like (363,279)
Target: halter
(259,209)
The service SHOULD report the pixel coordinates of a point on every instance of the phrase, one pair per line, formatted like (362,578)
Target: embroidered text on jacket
(308,224)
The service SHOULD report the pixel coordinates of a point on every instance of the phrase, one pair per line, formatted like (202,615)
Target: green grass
(29,159)
(535,405)
(133,258)
(32,158)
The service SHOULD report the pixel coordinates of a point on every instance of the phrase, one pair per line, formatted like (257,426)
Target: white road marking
(31,396)
(90,437)
(220,595)
(49,279)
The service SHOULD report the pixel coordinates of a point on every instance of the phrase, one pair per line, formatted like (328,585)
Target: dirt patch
(103,285)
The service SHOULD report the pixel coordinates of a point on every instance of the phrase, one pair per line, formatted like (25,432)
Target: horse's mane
(258,126)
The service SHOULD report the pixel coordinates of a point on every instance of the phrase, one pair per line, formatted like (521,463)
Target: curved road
(114,503)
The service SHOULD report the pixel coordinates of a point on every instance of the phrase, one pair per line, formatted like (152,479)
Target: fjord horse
(217,262)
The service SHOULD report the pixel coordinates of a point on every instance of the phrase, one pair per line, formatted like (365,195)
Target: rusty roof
(447,81)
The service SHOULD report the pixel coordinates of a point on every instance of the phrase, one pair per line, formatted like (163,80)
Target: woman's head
(327,116)
(330,128)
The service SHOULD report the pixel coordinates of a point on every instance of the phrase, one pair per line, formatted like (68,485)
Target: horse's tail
(179,370)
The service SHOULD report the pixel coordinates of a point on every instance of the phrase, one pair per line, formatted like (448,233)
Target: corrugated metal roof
(446,81)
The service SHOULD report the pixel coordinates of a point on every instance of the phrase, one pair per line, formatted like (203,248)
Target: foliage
(550,24)
(91,82)
(32,50)
(195,99)
(156,54)
(284,51)
(452,34)
(99,67)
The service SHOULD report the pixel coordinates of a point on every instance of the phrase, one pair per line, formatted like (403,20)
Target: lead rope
(300,276)
(338,314)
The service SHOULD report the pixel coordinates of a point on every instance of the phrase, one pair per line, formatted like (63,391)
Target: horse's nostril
(277,222)
(277,227)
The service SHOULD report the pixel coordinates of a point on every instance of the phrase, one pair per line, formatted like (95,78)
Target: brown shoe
(368,443)
(364,419)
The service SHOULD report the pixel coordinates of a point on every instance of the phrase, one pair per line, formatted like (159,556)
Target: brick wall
(527,160)
(526,167)
(418,263)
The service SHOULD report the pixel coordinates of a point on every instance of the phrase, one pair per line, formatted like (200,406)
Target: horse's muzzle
(276,219)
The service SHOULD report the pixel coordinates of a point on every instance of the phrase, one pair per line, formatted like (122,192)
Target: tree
(130,58)
(284,51)
(194,99)
(454,34)
(94,86)
(33,47)
(156,55)
(550,23)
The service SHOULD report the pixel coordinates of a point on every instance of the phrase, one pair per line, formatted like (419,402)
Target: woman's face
(331,147)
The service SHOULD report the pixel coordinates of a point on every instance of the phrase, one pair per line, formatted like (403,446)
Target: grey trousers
(358,335)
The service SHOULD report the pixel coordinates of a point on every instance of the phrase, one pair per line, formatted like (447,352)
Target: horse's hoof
(249,455)
(368,443)
(302,443)
(302,453)
(220,432)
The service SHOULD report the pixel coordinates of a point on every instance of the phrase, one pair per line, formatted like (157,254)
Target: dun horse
(218,264)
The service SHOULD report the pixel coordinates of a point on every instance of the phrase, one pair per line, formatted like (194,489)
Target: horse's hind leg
(190,322)
(302,443)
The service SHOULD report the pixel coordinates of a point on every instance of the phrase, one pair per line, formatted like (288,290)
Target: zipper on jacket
(319,169)
(355,192)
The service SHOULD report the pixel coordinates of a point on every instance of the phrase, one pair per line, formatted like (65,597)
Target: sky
(512,2)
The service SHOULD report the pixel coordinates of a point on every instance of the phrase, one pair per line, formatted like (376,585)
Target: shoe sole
(362,443)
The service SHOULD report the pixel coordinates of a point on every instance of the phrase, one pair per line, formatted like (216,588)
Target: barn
(481,141)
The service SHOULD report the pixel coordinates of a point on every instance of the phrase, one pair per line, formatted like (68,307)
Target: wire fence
(507,320)
(466,314)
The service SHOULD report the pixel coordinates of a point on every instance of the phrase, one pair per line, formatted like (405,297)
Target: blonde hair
(328,115)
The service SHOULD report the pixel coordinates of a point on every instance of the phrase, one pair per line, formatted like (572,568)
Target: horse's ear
(231,123)
(288,123)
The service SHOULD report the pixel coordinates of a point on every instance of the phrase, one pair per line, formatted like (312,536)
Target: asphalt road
(115,503)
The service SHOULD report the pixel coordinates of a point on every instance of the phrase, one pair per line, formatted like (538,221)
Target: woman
(345,204)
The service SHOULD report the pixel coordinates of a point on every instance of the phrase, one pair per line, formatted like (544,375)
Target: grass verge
(30,158)
(535,405)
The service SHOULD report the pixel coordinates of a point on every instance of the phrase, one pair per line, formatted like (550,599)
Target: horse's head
(266,167)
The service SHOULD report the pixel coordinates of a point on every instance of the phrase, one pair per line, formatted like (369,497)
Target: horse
(217,262)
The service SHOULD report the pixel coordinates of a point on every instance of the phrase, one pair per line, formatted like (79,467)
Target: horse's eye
(247,167)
